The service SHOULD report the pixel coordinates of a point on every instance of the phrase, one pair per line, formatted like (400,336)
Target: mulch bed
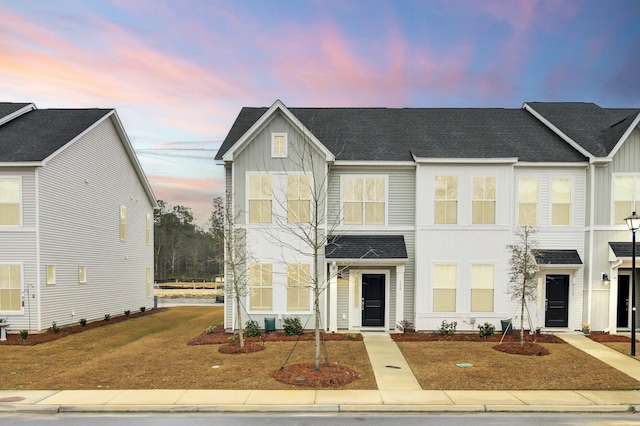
(606,338)
(49,336)
(474,337)
(530,349)
(304,374)
(220,336)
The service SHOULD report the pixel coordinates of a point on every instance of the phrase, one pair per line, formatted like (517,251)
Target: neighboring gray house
(419,204)
(76,218)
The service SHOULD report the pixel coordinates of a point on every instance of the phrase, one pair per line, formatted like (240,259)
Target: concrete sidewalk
(398,391)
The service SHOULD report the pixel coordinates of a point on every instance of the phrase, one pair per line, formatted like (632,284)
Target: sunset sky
(178,72)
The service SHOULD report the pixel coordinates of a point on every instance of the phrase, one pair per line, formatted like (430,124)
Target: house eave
(552,164)
(432,160)
(369,262)
(22,164)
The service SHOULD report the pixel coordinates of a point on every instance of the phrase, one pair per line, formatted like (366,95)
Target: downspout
(38,304)
(592,208)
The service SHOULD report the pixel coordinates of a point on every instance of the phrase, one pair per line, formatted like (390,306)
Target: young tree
(523,272)
(222,227)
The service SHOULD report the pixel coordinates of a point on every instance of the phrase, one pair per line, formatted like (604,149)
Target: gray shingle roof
(37,134)
(7,108)
(386,134)
(594,128)
(624,249)
(557,257)
(366,247)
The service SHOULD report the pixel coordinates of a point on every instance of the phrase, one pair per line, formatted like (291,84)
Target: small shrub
(24,334)
(447,328)
(127,313)
(292,326)
(351,336)
(83,321)
(54,328)
(142,308)
(405,326)
(486,330)
(232,338)
(211,329)
(107,317)
(251,329)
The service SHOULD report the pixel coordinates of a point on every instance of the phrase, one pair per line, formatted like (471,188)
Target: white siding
(81,191)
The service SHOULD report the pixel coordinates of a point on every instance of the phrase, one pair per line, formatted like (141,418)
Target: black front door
(623,301)
(557,301)
(373,300)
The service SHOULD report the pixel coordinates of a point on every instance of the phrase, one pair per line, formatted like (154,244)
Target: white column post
(333,297)
(400,294)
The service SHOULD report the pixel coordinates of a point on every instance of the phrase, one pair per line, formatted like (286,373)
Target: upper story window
(298,198)
(261,287)
(484,200)
(149,228)
(364,200)
(482,283)
(9,201)
(561,202)
(626,194)
(260,195)
(446,200)
(51,274)
(444,287)
(123,223)
(10,288)
(278,145)
(527,202)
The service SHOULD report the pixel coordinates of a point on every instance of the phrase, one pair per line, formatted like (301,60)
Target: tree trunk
(522,302)
(239,311)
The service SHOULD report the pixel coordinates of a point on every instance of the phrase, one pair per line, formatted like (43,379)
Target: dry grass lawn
(434,365)
(624,348)
(151,352)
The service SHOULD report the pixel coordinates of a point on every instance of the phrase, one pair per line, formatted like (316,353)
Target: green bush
(252,329)
(24,334)
(486,330)
(447,328)
(211,329)
(54,328)
(292,326)
(351,336)
(127,313)
(83,321)
(142,308)
(107,317)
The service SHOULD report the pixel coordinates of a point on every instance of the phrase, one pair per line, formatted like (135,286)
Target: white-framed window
(445,209)
(261,287)
(484,200)
(626,194)
(482,285)
(561,199)
(527,202)
(82,274)
(149,283)
(279,145)
(149,229)
(123,223)
(260,198)
(10,198)
(298,198)
(444,287)
(364,200)
(51,274)
(298,282)
(10,288)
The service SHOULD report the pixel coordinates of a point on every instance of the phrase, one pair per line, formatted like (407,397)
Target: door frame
(355,296)
(569,277)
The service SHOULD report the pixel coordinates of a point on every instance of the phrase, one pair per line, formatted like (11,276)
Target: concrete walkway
(398,391)
(617,360)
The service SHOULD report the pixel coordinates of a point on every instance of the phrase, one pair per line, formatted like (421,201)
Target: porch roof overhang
(366,249)
(622,250)
(558,259)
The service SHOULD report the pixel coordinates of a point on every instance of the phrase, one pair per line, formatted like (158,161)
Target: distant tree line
(182,249)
